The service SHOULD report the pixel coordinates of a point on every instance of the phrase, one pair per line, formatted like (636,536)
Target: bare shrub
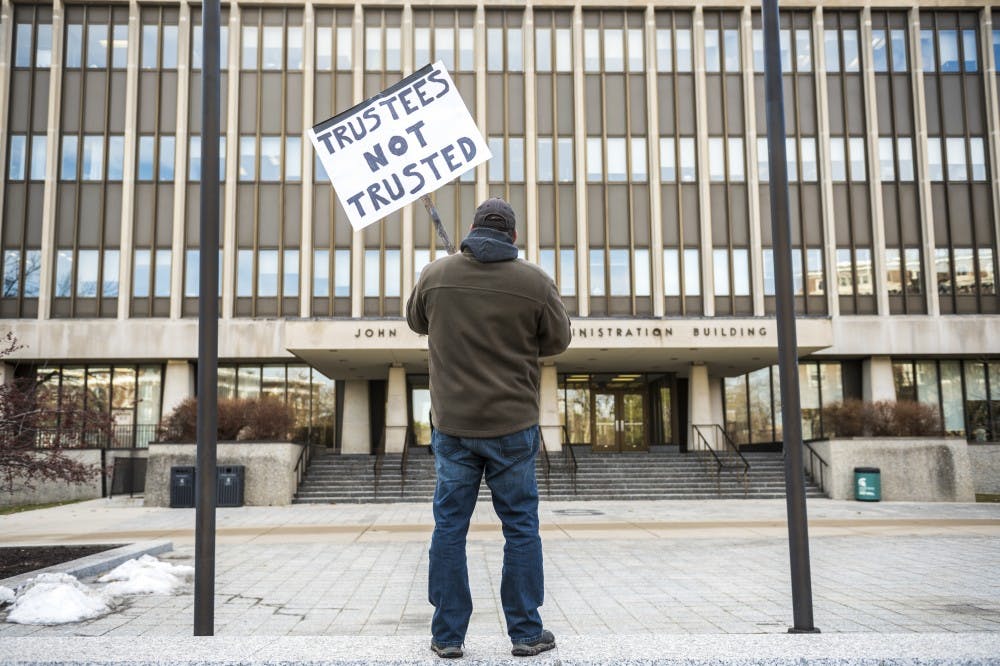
(885,418)
(239,419)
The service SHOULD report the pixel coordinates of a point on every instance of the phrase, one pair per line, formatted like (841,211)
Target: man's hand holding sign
(399,146)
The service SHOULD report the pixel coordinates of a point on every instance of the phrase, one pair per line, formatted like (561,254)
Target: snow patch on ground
(56,599)
(60,598)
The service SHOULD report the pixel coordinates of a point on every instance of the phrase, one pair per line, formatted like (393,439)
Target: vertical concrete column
(409,212)
(178,385)
(530,137)
(180,159)
(580,169)
(308,95)
(356,435)
(992,112)
(232,129)
(876,379)
(653,141)
(357,239)
(6,38)
(395,410)
(874,170)
(482,171)
(47,270)
(128,167)
(923,181)
(825,180)
(716,408)
(699,400)
(704,186)
(753,171)
(549,418)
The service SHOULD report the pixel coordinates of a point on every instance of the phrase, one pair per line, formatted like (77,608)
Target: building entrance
(619,420)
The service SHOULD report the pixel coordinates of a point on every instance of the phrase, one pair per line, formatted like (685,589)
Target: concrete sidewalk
(667,573)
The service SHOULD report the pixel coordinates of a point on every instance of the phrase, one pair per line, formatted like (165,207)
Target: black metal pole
(788,364)
(208,328)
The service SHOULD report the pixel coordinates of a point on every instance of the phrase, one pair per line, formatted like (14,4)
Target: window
(948,50)
(741,272)
(664,51)
(904,146)
(955,151)
(194,158)
(321,274)
(713,55)
(928,61)
(249,44)
(144,168)
(393,273)
(116,157)
(831,43)
(515,148)
(93,158)
(244,273)
(635,50)
(852,61)
(22,45)
(763,160)
(43,47)
(595,167)
(671,273)
(856,152)
(545,160)
(683,38)
(294,47)
(757,37)
(720,269)
(38,143)
(977,158)
(617,165)
(668,169)
(886,161)
(272,47)
(692,272)
(248,158)
(567,272)
(32,273)
(731,40)
(791,157)
(935,164)
(197,48)
(140,274)
(166,167)
(970,57)
(803,49)
(342,273)
(161,285)
(716,159)
(150,46)
(466,60)
(372,273)
(97,46)
(192,266)
(898,41)
(11,273)
(74,45)
(810,172)
(270,159)
(324,48)
(86,273)
(769,283)
(495,171)
(16,161)
(290,274)
(67,170)
(64,273)
(591,50)
(267,273)
(880,51)
(293,158)
(736,174)
(688,171)
(619,273)
(597,275)
(638,145)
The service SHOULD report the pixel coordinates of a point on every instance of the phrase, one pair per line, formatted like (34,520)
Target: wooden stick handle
(442,234)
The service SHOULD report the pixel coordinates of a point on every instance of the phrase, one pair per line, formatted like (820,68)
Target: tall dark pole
(788,364)
(208,328)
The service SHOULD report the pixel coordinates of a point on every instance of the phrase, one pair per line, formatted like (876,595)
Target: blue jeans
(508,463)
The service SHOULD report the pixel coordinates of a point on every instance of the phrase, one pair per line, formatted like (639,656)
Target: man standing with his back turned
(488,316)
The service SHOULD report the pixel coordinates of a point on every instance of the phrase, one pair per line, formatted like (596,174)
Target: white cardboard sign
(399,145)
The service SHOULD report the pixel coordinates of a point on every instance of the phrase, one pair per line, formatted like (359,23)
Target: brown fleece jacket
(487,324)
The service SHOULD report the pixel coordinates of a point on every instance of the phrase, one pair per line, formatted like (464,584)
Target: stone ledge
(98,563)
(687,650)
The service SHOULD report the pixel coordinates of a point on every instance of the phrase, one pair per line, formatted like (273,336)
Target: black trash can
(867,484)
(182,487)
(229,485)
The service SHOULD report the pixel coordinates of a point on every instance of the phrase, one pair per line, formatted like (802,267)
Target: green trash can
(867,484)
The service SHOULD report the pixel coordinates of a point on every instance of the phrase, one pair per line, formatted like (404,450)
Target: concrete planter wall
(269,475)
(914,469)
(985,459)
(46,492)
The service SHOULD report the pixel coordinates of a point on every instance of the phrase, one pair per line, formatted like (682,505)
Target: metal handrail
(813,455)
(379,459)
(718,462)
(729,444)
(568,452)
(546,462)
(305,455)
(404,460)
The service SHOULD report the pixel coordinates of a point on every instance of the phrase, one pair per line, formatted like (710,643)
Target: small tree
(35,432)
(237,419)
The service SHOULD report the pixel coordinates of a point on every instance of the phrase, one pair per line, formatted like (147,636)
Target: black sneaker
(447,651)
(544,642)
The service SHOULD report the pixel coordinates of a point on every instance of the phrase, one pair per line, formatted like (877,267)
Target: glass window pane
(814,272)
(564,50)
(720,271)
(792,158)
(64,273)
(664,50)
(38,156)
(927,57)
(987,276)
(344,49)
(22,45)
(150,47)
(248,158)
(671,273)
(898,38)
(393,38)
(249,44)
(904,148)
(810,173)
(635,50)
(852,60)
(321,274)
(741,272)
(591,50)
(566,174)
(272,42)
(935,165)
(638,145)
(32,273)
(617,165)
(619,273)
(977,158)
(495,170)
(43,49)
(545,159)
(758,50)
(466,58)
(194,158)
(494,52)
(798,277)
(668,170)
(969,52)
(372,273)
(293,158)
(736,156)
(74,44)
(169,47)
(597,275)
(294,48)
(683,38)
(324,48)
(11,273)
(97,46)
(515,50)
(192,271)
(692,272)
(547,260)
(516,159)
(290,277)
(393,273)
(141,272)
(785,48)
(912,280)
(886,161)
(856,149)
(422,46)
(267,273)
(731,40)
(803,50)
(567,272)
(688,172)
(69,151)
(955,150)
(93,158)
(421,258)
(161,287)
(109,288)
(167,158)
(595,168)
(713,58)
(948,44)
(769,280)
(144,168)
(444,47)
(116,157)
(614,50)
(18,156)
(342,273)
(716,159)
(197,47)
(865,284)
(880,51)
(763,161)
(244,273)
(976,406)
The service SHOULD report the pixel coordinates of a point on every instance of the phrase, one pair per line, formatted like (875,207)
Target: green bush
(886,418)
(239,419)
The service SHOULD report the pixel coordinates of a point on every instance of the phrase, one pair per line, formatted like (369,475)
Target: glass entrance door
(619,420)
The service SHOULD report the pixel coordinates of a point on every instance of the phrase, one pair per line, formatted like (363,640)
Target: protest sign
(399,145)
